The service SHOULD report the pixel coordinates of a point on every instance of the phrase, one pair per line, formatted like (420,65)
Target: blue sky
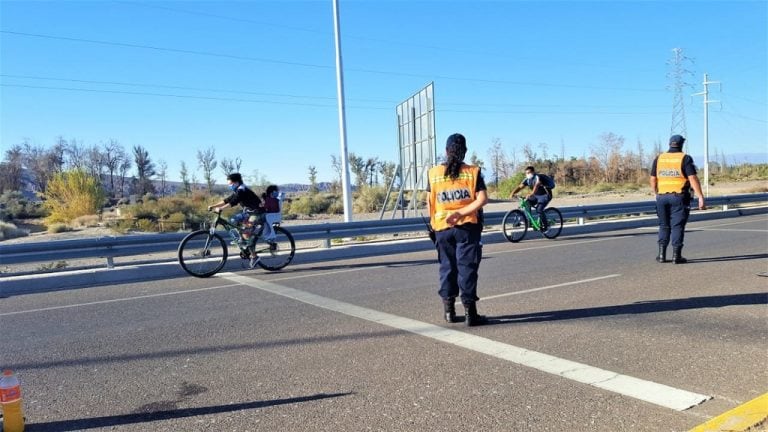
(256,79)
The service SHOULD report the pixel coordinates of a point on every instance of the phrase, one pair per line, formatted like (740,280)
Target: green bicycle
(516,222)
(204,253)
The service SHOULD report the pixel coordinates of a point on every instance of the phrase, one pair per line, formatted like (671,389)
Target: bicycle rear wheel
(277,253)
(202,254)
(554,222)
(514,225)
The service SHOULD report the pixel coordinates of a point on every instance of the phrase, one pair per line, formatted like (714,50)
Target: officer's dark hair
(235,178)
(530,168)
(455,150)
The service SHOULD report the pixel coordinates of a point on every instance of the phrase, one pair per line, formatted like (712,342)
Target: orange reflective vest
(669,173)
(448,195)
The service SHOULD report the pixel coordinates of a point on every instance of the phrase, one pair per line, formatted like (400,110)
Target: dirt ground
(37,232)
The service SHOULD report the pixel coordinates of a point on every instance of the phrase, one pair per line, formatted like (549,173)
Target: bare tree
(229,166)
(41,162)
(94,161)
(112,156)
(185,179)
(474,160)
(336,165)
(370,170)
(206,160)
(162,173)
(608,153)
(75,154)
(11,169)
(357,166)
(312,179)
(145,169)
(387,170)
(499,163)
(529,154)
(123,168)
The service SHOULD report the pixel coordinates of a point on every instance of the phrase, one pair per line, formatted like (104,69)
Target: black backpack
(547,181)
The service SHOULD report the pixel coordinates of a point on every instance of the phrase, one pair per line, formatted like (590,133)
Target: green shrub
(53,266)
(369,199)
(56,228)
(71,194)
(9,231)
(146,225)
(13,205)
(86,221)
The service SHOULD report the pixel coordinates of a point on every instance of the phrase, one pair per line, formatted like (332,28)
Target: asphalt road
(587,333)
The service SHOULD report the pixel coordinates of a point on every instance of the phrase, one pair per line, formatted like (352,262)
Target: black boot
(471,316)
(677,256)
(662,256)
(449,310)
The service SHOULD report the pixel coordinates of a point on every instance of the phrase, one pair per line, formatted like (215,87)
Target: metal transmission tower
(677,76)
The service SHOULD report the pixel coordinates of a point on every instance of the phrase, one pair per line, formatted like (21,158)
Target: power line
(410,44)
(212,98)
(316,66)
(217,90)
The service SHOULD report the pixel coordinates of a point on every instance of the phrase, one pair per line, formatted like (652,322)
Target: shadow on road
(145,417)
(83,361)
(728,258)
(636,308)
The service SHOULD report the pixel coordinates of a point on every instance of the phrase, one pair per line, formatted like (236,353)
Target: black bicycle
(516,222)
(204,253)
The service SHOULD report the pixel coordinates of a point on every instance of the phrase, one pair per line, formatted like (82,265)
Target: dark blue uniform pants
(459,252)
(673,210)
(540,201)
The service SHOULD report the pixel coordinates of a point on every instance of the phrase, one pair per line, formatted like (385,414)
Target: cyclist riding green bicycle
(252,213)
(540,195)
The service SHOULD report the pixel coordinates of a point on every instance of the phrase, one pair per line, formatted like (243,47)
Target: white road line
(118,300)
(648,391)
(550,287)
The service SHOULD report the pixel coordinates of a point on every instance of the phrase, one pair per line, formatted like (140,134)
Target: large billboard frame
(416,140)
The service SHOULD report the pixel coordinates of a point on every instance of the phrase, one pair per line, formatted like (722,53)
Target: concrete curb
(27,284)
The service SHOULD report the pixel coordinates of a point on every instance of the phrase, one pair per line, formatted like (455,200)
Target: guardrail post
(326,244)
(725,207)
(110,261)
(581,220)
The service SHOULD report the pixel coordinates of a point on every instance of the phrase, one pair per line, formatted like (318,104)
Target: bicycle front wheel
(514,225)
(554,222)
(275,253)
(202,254)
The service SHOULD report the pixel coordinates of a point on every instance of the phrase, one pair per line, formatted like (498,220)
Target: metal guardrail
(110,247)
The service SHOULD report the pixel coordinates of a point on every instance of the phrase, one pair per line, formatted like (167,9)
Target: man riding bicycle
(540,194)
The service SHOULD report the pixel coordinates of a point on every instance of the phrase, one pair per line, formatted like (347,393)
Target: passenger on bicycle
(252,208)
(540,195)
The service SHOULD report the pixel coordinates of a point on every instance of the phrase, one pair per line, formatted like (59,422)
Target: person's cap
(676,141)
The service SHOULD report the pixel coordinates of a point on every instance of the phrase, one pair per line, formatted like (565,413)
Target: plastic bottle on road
(10,399)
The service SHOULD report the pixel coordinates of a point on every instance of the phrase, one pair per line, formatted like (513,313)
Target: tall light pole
(346,189)
(705,93)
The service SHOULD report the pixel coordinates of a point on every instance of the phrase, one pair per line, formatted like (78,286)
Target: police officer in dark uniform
(457,194)
(672,176)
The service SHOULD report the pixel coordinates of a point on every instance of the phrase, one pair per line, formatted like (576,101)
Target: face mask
(233,187)
(275,194)
(529,176)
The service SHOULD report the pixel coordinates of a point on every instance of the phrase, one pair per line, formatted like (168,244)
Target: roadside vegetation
(70,186)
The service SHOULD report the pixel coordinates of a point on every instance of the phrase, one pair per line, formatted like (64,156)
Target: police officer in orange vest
(457,194)
(672,176)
